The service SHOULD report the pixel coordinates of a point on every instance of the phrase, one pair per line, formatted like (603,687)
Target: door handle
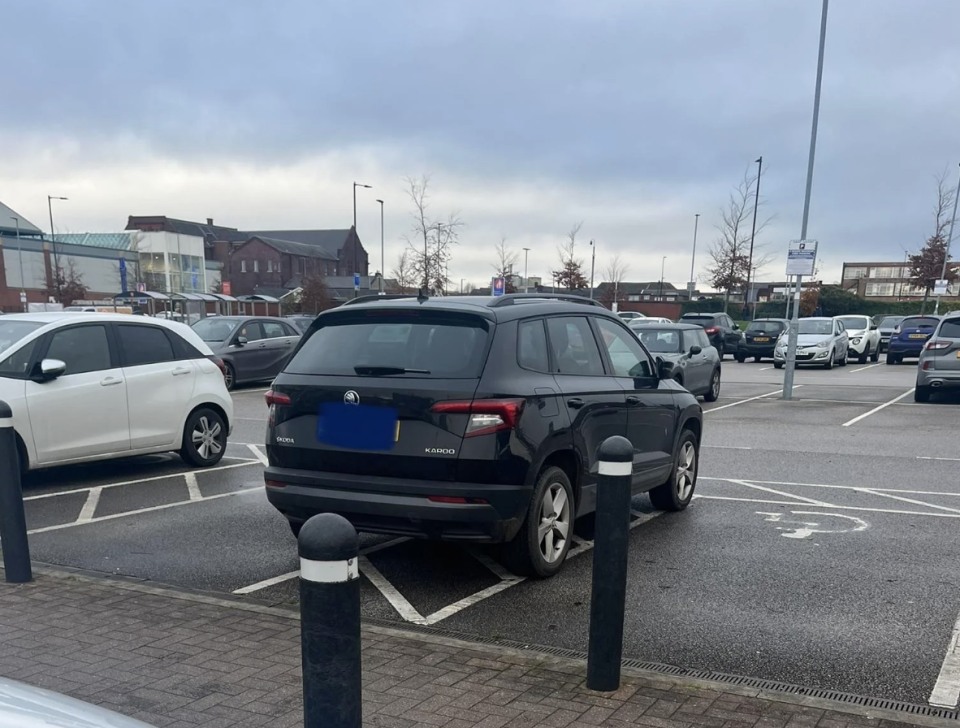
(632,399)
(262,346)
(575,403)
(180,371)
(110,381)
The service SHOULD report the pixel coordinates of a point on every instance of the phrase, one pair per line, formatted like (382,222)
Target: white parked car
(864,336)
(821,341)
(93,386)
(24,706)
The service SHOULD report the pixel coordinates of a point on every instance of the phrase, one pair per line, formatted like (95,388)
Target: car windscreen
(216,328)
(949,329)
(854,323)
(12,331)
(660,341)
(766,327)
(890,322)
(919,322)
(431,346)
(811,326)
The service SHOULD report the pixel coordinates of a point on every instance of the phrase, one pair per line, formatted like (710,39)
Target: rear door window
(574,348)
(532,346)
(142,345)
(416,346)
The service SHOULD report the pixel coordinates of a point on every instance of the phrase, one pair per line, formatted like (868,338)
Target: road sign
(123,274)
(356,281)
(802,258)
(940,288)
(498,286)
(23,297)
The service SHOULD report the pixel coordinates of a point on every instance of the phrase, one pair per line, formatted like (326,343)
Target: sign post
(801,261)
(123,274)
(498,286)
(940,288)
(356,284)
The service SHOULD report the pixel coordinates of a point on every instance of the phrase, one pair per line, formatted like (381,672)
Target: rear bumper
(901,348)
(934,378)
(753,349)
(493,513)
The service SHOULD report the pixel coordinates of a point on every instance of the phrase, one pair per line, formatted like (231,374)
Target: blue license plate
(357,427)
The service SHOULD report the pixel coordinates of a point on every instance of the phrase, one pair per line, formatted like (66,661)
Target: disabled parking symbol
(792,528)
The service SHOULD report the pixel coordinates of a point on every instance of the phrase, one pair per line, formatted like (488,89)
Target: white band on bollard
(329,572)
(6,422)
(615,468)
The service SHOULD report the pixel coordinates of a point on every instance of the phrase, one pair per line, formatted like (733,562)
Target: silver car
(252,348)
(940,359)
(821,342)
(695,363)
(22,706)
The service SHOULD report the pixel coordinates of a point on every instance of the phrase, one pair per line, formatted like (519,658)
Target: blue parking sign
(498,286)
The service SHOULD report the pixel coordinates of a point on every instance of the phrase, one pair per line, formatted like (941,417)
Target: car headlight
(823,344)
(855,341)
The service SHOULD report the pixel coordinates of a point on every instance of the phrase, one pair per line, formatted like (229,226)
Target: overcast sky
(530,115)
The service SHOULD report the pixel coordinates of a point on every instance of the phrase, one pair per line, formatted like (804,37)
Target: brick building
(888,281)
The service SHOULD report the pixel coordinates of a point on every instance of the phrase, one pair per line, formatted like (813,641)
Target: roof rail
(378,297)
(509,299)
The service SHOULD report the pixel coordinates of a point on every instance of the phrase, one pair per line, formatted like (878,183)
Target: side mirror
(873,327)
(50,369)
(694,350)
(736,326)
(664,368)
(242,341)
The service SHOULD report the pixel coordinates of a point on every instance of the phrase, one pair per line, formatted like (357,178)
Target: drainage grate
(752,682)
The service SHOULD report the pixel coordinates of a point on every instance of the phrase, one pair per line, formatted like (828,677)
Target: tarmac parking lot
(821,549)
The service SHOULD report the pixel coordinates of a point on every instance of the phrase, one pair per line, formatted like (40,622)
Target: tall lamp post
(794,320)
(753,234)
(692,285)
(946,252)
(356,238)
(593,262)
(526,280)
(53,242)
(23,293)
(383,264)
(662,264)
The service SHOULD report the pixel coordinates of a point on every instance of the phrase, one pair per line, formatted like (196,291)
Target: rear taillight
(273,399)
(712,330)
(486,415)
(219,362)
(933,345)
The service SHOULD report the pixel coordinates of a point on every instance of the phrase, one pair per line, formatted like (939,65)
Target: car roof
(704,313)
(672,327)
(508,307)
(769,318)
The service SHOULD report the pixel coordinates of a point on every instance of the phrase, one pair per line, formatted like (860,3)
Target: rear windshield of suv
(950,329)
(767,327)
(412,346)
(890,322)
(699,319)
(919,322)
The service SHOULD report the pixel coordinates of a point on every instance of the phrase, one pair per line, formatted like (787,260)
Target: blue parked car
(909,337)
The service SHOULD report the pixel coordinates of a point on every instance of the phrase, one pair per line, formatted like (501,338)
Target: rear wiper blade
(375,371)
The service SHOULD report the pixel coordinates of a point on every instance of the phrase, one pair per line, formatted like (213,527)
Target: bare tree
(613,273)
(730,252)
(403,272)
(926,266)
(570,275)
(506,259)
(433,239)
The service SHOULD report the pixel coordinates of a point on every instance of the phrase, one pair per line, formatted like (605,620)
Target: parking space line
(728,447)
(151,479)
(493,566)
(860,369)
(763,369)
(950,460)
(193,488)
(864,509)
(89,506)
(267,582)
(808,501)
(399,602)
(459,606)
(864,416)
(946,691)
(838,487)
(751,399)
(261,456)
(871,491)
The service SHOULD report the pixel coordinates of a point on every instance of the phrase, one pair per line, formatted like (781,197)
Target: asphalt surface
(820,550)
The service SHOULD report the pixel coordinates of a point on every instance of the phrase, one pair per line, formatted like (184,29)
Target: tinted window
(432,347)
(274,330)
(251,331)
(950,329)
(659,341)
(767,327)
(12,331)
(574,348)
(704,339)
(216,328)
(699,319)
(82,349)
(532,346)
(144,345)
(627,356)
(18,364)
(919,322)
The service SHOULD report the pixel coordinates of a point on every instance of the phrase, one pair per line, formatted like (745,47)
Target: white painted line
(838,487)
(267,582)
(946,691)
(493,566)
(809,501)
(137,512)
(950,460)
(193,488)
(385,545)
(763,369)
(869,366)
(826,505)
(261,456)
(451,609)
(727,447)
(744,401)
(856,419)
(151,479)
(399,602)
(90,506)
(909,500)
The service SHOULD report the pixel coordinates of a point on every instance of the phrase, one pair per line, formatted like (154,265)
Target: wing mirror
(664,368)
(694,350)
(242,341)
(50,369)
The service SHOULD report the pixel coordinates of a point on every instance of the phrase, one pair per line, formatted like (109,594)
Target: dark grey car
(696,364)
(253,348)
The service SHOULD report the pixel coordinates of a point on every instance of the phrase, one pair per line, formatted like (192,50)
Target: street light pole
(794,321)
(23,293)
(753,234)
(383,264)
(526,280)
(53,242)
(356,238)
(946,252)
(691,287)
(662,264)
(593,262)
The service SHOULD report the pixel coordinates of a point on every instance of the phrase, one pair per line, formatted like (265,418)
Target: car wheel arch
(206,404)
(569,461)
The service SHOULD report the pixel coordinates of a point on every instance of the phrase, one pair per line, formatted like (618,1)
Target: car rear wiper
(377,371)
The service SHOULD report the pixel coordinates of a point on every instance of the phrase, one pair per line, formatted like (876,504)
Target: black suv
(473,419)
(724,333)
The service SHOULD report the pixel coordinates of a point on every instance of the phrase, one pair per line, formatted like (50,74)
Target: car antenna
(422,296)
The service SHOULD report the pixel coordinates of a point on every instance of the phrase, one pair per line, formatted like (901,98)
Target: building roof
(8,225)
(207,231)
(113,241)
(293,248)
(329,240)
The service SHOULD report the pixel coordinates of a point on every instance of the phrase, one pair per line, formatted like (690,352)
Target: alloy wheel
(686,470)
(205,438)
(715,385)
(554,522)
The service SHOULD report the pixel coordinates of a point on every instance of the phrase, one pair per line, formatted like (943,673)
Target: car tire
(526,555)
(921,394)
(830,362)
(758,359)
(713,393)
(677,492)
(862,359)
(229,376)
(204,438)
(875,356)
(891,360)
(843,360)
(741,358)
(778,365)
(295,527)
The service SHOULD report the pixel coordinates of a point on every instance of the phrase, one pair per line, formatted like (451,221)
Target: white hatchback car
(864,336)
(93,386)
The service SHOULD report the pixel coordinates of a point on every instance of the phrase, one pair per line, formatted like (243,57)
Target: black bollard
(330,622)
(609,591)
(13,523)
